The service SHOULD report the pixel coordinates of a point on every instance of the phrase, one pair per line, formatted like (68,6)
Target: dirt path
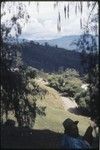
(66,101)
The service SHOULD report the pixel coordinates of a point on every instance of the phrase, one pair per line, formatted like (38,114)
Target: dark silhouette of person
(71,127)
(72,139)
(88,135)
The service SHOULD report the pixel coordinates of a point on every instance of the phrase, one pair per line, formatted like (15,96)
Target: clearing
(57,111)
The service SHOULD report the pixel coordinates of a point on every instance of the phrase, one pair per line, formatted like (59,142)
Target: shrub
(67,82)
(83,100)
(31,72)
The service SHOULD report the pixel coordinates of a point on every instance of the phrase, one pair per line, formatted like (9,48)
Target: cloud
(43,20)
(45,26)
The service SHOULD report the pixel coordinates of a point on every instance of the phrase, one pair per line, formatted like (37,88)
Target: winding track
(66,101)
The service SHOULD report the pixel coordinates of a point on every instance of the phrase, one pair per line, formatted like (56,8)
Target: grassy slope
(55,113)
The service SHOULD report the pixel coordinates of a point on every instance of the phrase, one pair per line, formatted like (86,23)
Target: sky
(42,24)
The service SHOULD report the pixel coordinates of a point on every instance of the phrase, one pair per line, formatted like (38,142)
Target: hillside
(48,130)
(56,112)
(65,42)
(48,58)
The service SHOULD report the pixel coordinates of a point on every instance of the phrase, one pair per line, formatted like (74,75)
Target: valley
(57,111)
(49,73)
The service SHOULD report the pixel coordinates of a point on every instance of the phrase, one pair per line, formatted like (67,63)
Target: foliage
(94,93)
(42,74)
(68,82)
(78,7)
(71,73)
(14,76)
(31,72)
(15,93)
(90,62)
(83,100)
(49,58)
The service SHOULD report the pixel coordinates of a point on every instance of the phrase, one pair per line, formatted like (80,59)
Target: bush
(71,73)
(67,82)
(83,100)
(79,95)
(31,72)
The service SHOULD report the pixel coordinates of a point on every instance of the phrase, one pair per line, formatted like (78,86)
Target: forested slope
(50,58)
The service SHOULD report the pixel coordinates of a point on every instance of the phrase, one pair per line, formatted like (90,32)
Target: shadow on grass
(79,111)
(24,137)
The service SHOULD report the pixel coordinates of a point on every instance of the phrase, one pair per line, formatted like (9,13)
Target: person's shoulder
(68,138)
(83,143)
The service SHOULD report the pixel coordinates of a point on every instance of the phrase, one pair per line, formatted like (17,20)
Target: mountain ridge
(49,58)
(65,42)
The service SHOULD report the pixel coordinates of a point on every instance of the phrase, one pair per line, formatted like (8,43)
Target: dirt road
(66,101)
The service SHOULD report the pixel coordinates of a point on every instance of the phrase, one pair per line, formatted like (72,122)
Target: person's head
(71,127)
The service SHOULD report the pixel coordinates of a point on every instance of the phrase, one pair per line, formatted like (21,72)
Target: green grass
(55,114)
(54,119)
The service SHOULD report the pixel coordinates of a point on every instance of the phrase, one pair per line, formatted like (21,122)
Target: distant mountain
(13,40)
(66,42)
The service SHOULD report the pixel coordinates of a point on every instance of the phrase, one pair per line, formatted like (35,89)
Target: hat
(68,123)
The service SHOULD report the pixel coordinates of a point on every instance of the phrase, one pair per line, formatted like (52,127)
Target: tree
(21,9)
(89,55)
(14,80)
(90,62)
